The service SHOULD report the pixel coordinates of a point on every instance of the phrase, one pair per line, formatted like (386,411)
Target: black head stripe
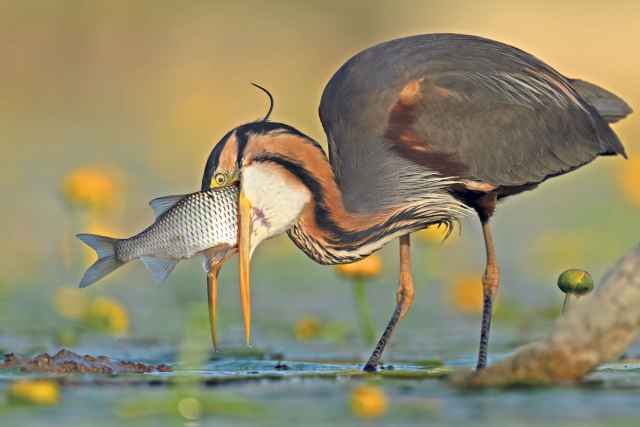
(242,137)
(212,162)
(322,214)
(338,236)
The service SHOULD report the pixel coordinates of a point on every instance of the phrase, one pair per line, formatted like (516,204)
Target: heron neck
(326,230)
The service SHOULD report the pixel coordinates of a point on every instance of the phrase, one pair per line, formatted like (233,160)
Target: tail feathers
(105,248)
(610,106)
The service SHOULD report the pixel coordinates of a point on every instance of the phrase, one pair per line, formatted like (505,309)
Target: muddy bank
(66,362)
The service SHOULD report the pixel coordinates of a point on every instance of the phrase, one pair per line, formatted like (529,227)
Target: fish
(185,225)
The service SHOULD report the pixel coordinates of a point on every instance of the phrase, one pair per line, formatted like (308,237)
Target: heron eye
(220,179)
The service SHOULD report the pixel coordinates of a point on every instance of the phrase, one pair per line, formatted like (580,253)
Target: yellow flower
(34,392)
(190,408)
(72,303)
(363,269)
(436,234)
(466,294)
(89,188)
(102,314)
(368,401)
(629,179)
(308,328)
(107,315)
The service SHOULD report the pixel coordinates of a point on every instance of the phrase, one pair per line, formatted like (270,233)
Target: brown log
(594,332)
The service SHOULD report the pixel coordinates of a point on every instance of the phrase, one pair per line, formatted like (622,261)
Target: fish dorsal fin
(163,204)
(160,268)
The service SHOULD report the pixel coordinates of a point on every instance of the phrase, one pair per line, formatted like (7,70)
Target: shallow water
(251,389)
(169,324)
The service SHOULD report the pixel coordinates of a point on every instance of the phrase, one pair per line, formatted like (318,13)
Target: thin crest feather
(266,117)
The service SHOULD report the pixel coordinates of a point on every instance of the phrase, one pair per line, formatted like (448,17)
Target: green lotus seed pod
(575,282)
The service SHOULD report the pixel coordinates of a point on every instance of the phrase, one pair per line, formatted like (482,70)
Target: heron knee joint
(491,278)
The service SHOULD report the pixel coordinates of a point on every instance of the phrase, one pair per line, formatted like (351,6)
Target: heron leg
(490,283)
(404,299)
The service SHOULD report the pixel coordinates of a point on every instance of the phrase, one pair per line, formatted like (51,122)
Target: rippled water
(250,390)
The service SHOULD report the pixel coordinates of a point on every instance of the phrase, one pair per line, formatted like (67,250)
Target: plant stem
(362,307)
(565,303)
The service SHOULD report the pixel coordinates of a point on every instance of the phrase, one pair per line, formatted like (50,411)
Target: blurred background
(106,105)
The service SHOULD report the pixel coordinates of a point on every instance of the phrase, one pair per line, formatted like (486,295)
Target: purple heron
(421,131)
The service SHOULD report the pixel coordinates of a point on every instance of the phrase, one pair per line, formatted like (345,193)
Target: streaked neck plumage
(325,230)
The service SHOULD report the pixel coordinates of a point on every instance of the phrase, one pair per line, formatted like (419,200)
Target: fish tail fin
(105,248)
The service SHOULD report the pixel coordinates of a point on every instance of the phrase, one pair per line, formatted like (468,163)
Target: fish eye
(220,179)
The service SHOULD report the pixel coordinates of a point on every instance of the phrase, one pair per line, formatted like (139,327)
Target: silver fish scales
(196,222)
(185,225)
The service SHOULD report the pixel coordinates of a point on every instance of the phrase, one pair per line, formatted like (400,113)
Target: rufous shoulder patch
(411,92)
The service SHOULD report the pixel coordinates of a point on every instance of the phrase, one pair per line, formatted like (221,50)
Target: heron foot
(370,368)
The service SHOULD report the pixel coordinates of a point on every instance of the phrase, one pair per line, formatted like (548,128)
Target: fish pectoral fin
(160,268)
(163,204)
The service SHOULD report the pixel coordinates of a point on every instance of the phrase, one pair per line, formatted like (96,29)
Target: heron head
(257,157)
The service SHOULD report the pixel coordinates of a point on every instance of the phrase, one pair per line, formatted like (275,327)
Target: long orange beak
(214,259)
(244,250)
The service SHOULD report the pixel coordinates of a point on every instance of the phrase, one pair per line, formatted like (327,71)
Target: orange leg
(404,299)
(490,283)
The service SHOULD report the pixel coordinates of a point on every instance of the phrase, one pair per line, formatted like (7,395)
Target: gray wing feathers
(610,106)
(500,114)
(504,138)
